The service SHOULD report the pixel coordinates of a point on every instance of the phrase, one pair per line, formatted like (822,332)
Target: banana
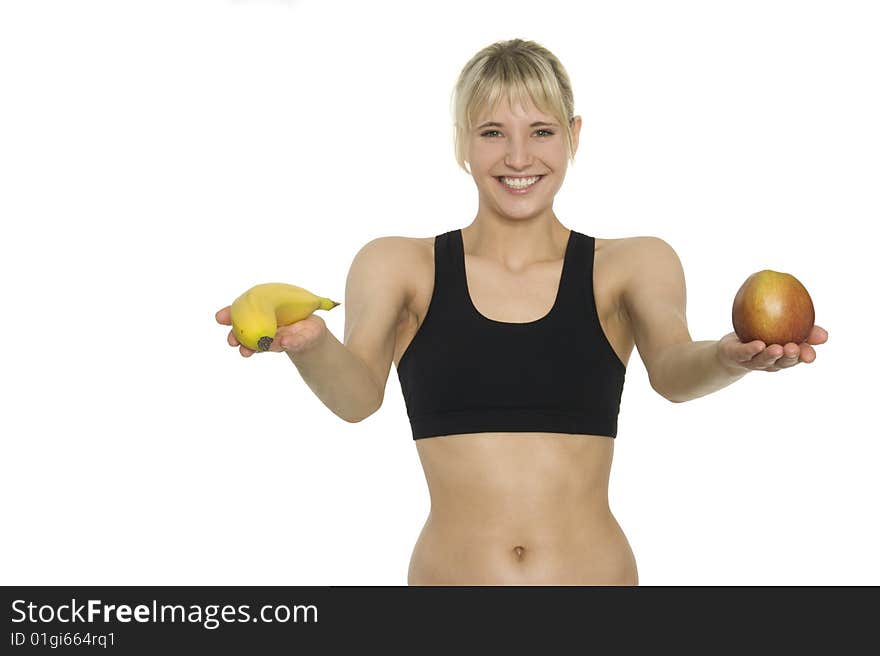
(258,312)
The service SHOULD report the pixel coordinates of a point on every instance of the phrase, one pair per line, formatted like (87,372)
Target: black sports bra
(466,373)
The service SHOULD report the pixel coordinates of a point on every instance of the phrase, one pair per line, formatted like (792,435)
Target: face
(513,151)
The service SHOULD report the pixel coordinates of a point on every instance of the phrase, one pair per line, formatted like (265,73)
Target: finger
(276,344)
(744,353)
(289,336)
(818,335)
(286,340)
(791,353)
(223,316)
(245,351)
(232,339)
(768,357)
(752,349)
(808,353)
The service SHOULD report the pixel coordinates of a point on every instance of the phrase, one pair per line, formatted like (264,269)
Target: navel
(519,551)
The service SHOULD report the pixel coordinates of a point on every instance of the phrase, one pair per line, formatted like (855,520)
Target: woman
(511,339)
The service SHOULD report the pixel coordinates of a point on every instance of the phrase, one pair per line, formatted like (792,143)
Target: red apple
(773,307)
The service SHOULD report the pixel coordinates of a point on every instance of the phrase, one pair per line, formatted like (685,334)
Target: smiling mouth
(536,178)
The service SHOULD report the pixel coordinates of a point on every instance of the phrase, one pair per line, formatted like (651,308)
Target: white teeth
(520,183)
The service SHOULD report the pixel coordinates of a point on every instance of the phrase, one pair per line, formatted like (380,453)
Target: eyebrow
(501,125)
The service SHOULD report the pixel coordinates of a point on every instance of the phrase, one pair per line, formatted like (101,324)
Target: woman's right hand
(294,338)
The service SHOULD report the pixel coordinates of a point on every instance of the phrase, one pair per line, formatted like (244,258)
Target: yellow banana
(258,312)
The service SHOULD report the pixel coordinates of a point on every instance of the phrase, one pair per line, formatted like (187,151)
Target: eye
(489,132)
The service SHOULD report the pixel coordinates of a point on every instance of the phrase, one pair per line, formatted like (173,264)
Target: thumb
(286,336)
(739,351)
(753,348)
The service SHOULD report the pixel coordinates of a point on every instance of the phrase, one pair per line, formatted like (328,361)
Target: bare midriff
(520,509)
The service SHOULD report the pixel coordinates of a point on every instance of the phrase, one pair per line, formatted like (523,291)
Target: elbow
(657,388)
(359,418)
(354,419)
(673,399)
(657,384)
(666,396)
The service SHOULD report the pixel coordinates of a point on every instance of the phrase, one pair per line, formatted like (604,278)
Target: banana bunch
(258,312)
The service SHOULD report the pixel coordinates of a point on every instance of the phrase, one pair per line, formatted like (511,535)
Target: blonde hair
(520,71)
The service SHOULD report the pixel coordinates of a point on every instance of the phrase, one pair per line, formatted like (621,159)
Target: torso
(520,508)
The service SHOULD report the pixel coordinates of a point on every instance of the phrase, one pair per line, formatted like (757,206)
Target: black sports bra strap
(446,271)
(578,271)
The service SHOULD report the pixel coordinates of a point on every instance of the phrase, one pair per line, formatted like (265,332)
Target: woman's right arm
(350,378)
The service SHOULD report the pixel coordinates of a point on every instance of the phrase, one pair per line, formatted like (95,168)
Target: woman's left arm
(680,369)
(695,369)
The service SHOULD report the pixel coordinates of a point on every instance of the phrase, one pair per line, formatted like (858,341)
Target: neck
(516,244)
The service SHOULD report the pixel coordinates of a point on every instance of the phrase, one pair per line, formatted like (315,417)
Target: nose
(518,155)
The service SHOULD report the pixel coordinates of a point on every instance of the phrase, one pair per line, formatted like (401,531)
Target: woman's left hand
(756,356)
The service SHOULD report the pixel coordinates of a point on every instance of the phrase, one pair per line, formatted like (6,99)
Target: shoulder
(649,258)
(645,251)
(404,252)
(645,244)
(393,259)
(623,257)
(391,252)
(626,261)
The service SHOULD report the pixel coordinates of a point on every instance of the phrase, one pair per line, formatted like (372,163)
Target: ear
(575,133)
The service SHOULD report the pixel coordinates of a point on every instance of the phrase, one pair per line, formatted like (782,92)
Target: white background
(160,157)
